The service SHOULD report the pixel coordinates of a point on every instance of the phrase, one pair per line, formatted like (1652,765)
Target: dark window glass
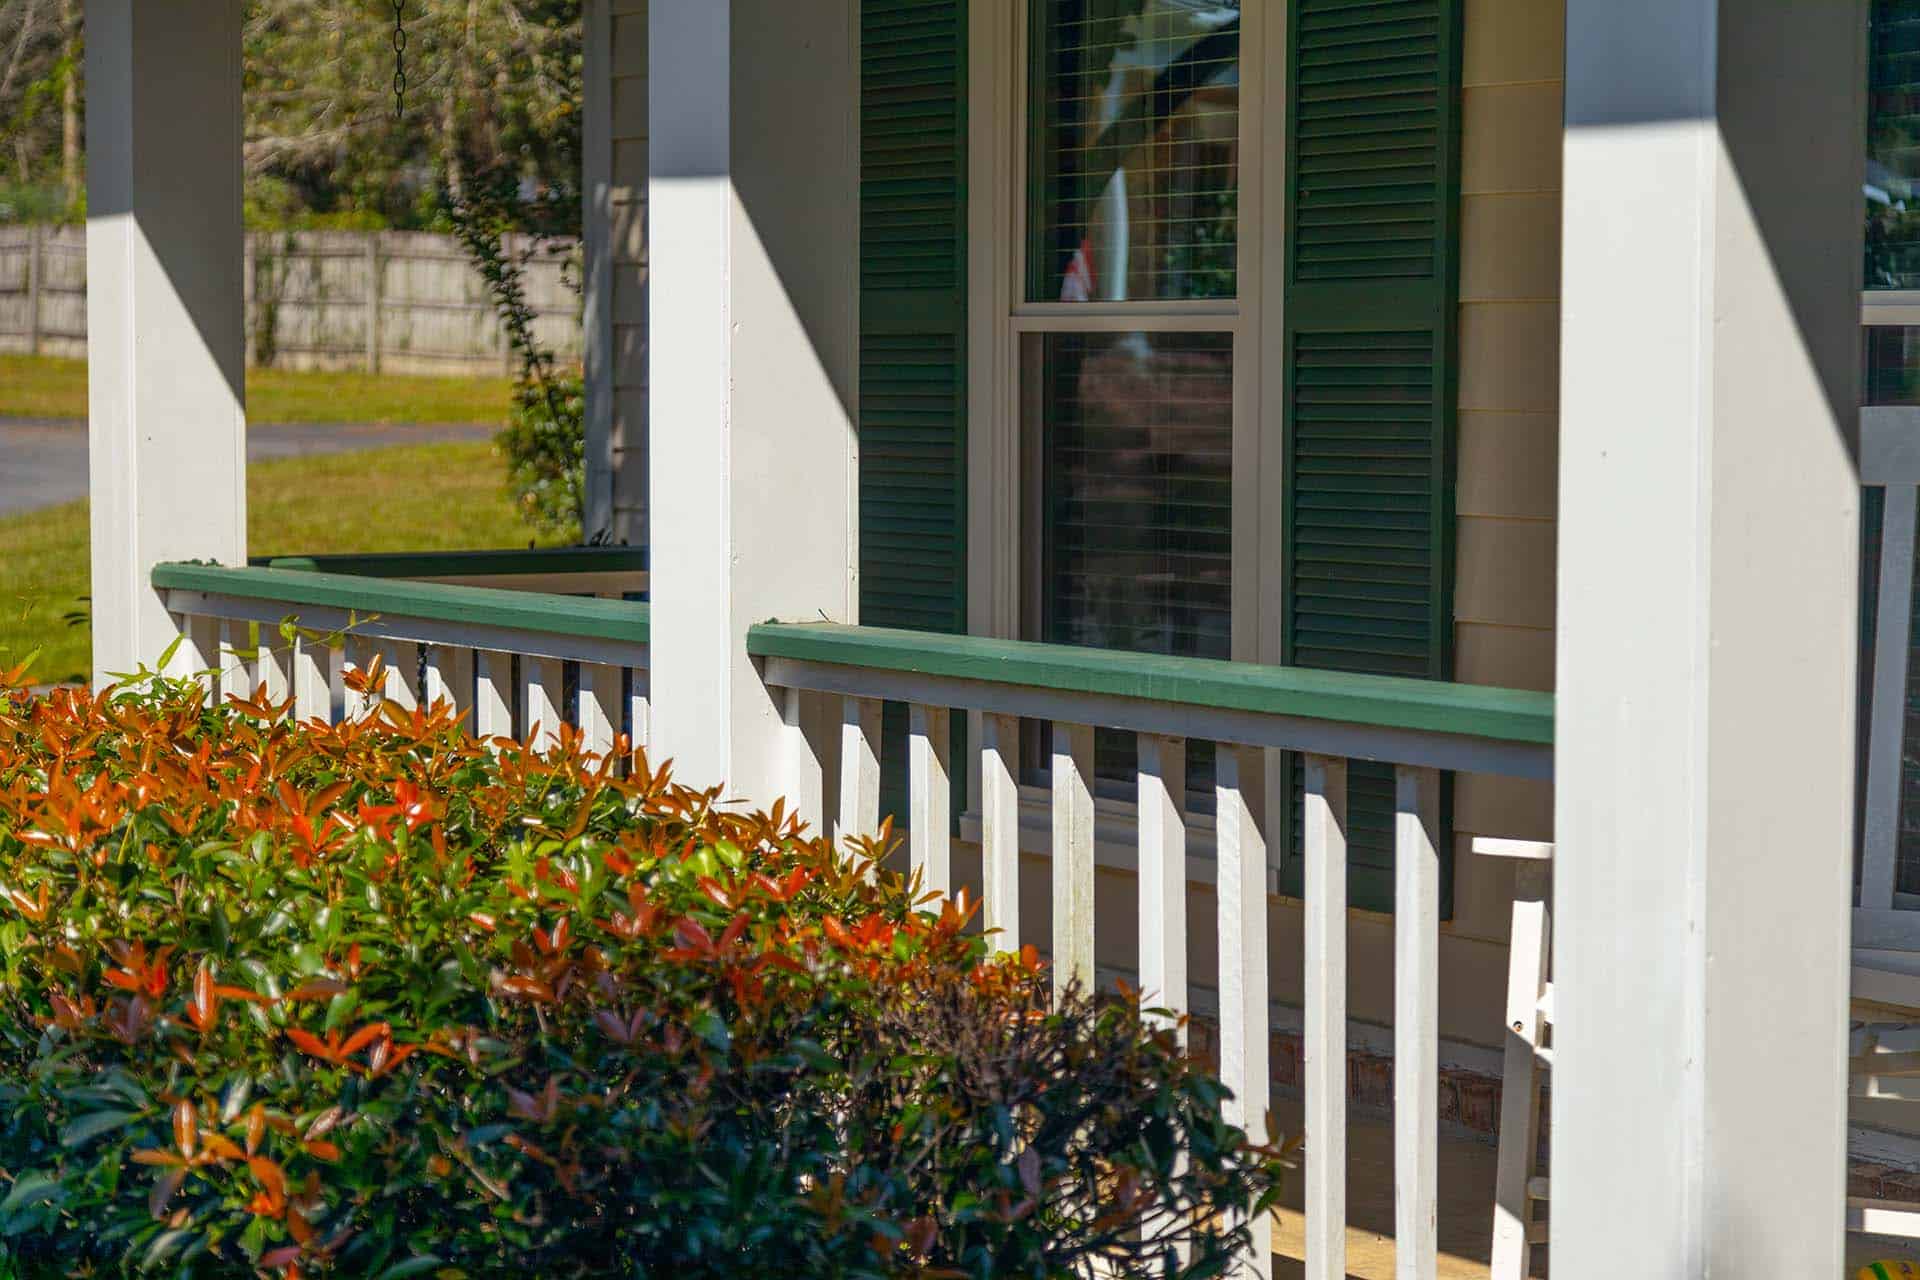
(1130,466)
(1133,150)
(1893,145)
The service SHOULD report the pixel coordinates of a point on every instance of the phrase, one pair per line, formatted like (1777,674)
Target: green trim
(625,621)
(476,564)
(1387,702)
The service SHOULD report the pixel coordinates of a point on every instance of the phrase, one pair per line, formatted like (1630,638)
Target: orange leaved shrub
(379,1000)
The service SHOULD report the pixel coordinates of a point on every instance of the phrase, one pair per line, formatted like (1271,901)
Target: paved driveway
(44,462)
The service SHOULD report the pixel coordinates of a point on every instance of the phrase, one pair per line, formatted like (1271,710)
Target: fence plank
(930,796)
(1241,850)
(1416,1022)
(1163,875)
(401,660)
(1324,1057)
(1000,829)
(1072,857)
(450,676)
(806,772)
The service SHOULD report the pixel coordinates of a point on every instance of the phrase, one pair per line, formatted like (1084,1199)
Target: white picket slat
(1072,857)
(1416,1023)
(1000,829)
(450,677)
(601,687)
(1324,1047)
(1162,784)
(806,772)
(1241,853)
(542,692)
(312,684)
(493,694)
(859,769)
(930,796)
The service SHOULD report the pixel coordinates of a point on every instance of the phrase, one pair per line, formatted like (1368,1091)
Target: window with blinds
(1133,153)
(1130,446)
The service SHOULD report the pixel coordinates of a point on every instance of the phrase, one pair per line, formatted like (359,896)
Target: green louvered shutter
(1371,305)
(913,366)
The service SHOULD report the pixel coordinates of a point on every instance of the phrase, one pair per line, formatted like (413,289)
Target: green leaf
(89,1127)
(411,1267)
(30,1189)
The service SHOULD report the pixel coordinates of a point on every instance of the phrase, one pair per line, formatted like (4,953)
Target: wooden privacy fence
(392,301)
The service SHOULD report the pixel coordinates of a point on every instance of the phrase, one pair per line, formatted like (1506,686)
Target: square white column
(1706,646)
(166,347)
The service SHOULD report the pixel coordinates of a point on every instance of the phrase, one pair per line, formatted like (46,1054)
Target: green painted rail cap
(619,620)
(451,564)
(1393,702)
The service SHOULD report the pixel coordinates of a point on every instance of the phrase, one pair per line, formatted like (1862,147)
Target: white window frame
(999,317)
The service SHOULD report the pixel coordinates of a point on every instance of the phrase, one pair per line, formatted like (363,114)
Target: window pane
(1893,145)
(1129,481)
(1133,159)
(1136,435)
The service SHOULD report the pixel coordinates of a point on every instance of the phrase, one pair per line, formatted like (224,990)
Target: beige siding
(1514,57)
(628,214)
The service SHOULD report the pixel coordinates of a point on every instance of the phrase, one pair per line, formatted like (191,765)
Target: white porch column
(165,345)
(1708,525)
(753,205)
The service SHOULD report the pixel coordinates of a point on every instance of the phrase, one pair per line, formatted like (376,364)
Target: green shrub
(376,1000)
(545,447)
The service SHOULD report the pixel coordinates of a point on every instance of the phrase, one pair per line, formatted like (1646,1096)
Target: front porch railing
(521,662)
(1329,718)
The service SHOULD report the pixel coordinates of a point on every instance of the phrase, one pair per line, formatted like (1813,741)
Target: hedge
(381,1000)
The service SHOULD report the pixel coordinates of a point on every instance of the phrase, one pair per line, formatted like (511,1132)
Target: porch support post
(165,346)
(1708,562)
(753,190)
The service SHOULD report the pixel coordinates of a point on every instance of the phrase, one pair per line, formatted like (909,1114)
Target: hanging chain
(399,58)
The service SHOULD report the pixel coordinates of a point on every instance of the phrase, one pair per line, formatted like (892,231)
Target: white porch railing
(1421,727)
(521,663)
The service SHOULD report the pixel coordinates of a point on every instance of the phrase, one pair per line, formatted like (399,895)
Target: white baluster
(640,710)
(542,683)
(400,660)
(1073,955)
(354,655)
(1241,862)
(1416,1022)
(1325,1039)
(1000,828)
(930,796)
(1515,1187)
(233,680)
(450,677)
(1163,874)
(859,769)
(273,664)
(312,688)
(806,774)
(493,694)
(198,656)
(601,687)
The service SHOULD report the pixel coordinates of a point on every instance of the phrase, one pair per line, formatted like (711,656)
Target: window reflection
(1135,150)
(1893,145)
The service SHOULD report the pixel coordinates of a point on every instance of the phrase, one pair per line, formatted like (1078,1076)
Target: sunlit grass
(437,497)
(46,387)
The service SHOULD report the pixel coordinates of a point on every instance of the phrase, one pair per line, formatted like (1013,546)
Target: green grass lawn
(414,498)
(45,387)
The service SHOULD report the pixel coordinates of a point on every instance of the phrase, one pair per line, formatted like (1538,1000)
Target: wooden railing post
(1000,829)
(1163,875)
(1324,1063)
(1416,1021)
(859,769)
(929,796)
(1241,854)
(1073,951)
